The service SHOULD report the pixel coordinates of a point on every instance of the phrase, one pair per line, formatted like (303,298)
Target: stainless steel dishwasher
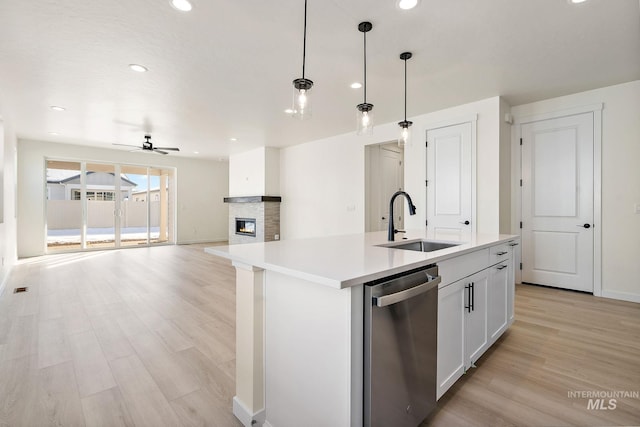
(400,339)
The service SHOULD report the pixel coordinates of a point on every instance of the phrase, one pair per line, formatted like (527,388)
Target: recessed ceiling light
(54,133)
(407,4)
(233,139)
(138,68)
(356,85)
(196,152)
(577,1)
(289,111)
(57,108)
(182,5)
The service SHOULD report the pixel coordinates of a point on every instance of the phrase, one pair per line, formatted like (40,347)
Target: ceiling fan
(148,146)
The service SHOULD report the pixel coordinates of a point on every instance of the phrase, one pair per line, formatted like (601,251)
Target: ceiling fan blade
(155,150)
(126,145)
(168,148)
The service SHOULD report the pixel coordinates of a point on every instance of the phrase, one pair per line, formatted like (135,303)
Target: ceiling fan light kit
(148,147)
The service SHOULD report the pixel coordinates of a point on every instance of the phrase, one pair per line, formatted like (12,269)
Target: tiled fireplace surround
(266,211)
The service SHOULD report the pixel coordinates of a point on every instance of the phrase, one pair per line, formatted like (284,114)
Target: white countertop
(348,260)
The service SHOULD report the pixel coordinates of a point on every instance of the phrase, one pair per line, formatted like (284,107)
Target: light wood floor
(135,337)
(145,337)
(561,341)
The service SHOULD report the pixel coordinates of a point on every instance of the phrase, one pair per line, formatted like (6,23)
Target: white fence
(67,214)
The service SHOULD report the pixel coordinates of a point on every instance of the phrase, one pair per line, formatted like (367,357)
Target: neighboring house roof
(92,178)
(151,190)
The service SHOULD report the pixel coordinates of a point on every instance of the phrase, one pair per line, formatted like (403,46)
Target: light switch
(637,208)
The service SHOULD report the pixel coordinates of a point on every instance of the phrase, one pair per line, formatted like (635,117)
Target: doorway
(91,205)
(384,172)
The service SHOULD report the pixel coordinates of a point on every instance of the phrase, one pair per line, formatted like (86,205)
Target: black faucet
(412,211)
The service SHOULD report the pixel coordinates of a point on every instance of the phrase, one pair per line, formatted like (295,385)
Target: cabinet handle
(501,267)
(467,296)
(513,244)
(502,253)
(473,297)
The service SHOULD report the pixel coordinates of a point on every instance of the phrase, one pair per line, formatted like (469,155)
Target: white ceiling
(224,69)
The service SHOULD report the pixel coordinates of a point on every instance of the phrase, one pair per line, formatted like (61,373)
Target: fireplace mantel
(253,199)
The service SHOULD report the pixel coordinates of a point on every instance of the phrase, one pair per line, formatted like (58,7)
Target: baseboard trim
(195,242)
(624,296)
(247,418)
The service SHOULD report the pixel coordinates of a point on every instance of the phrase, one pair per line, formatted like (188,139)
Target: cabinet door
(451,315)
(511,283)
(497,300)
(475,316)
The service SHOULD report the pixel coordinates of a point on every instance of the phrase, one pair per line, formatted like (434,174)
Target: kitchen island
(299,318)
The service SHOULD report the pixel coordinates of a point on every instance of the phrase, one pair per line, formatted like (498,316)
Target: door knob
(585,225)
(383,218)
(465,222)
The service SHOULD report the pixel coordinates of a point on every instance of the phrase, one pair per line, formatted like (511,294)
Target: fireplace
(253,219)
(246,226)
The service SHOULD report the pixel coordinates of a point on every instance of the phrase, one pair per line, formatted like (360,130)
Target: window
(107,196)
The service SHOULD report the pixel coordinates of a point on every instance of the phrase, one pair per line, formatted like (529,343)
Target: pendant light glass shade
(302,98)
(364,119)
(364,116)
(302,87)
(404,139)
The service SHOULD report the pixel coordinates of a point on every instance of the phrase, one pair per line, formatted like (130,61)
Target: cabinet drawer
(499,253)
(462,266)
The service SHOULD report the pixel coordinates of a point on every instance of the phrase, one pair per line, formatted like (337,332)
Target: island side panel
(248,403)
(308,353)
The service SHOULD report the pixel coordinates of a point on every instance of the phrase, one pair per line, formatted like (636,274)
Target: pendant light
(302,86)
(405,126)
(364,115)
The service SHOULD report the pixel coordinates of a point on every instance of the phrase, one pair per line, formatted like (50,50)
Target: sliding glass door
(99,191)
(134,211)
(94,205)
(64,206)
(161,208)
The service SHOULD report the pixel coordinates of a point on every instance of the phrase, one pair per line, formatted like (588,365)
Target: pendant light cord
(365,66)
(304,39)
(405,90)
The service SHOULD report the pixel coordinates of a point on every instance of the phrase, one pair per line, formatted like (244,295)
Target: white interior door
(449,179)
(557,202)
(391,174)
(384,172)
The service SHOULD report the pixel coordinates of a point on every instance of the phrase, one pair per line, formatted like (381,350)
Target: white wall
(202,184)
(8,224)
(323,183)
(255,173)
(620,180)
(505,169)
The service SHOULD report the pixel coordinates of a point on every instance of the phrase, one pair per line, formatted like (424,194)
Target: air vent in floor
(23,289)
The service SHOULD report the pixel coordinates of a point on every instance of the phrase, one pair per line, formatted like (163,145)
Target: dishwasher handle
(386,300)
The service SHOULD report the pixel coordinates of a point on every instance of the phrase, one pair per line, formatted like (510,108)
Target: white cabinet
(451,322)
(497,300)
(462,327)
(475,325)
(511,281)
(473,311)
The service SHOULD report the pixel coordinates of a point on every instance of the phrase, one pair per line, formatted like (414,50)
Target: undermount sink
(420,245)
